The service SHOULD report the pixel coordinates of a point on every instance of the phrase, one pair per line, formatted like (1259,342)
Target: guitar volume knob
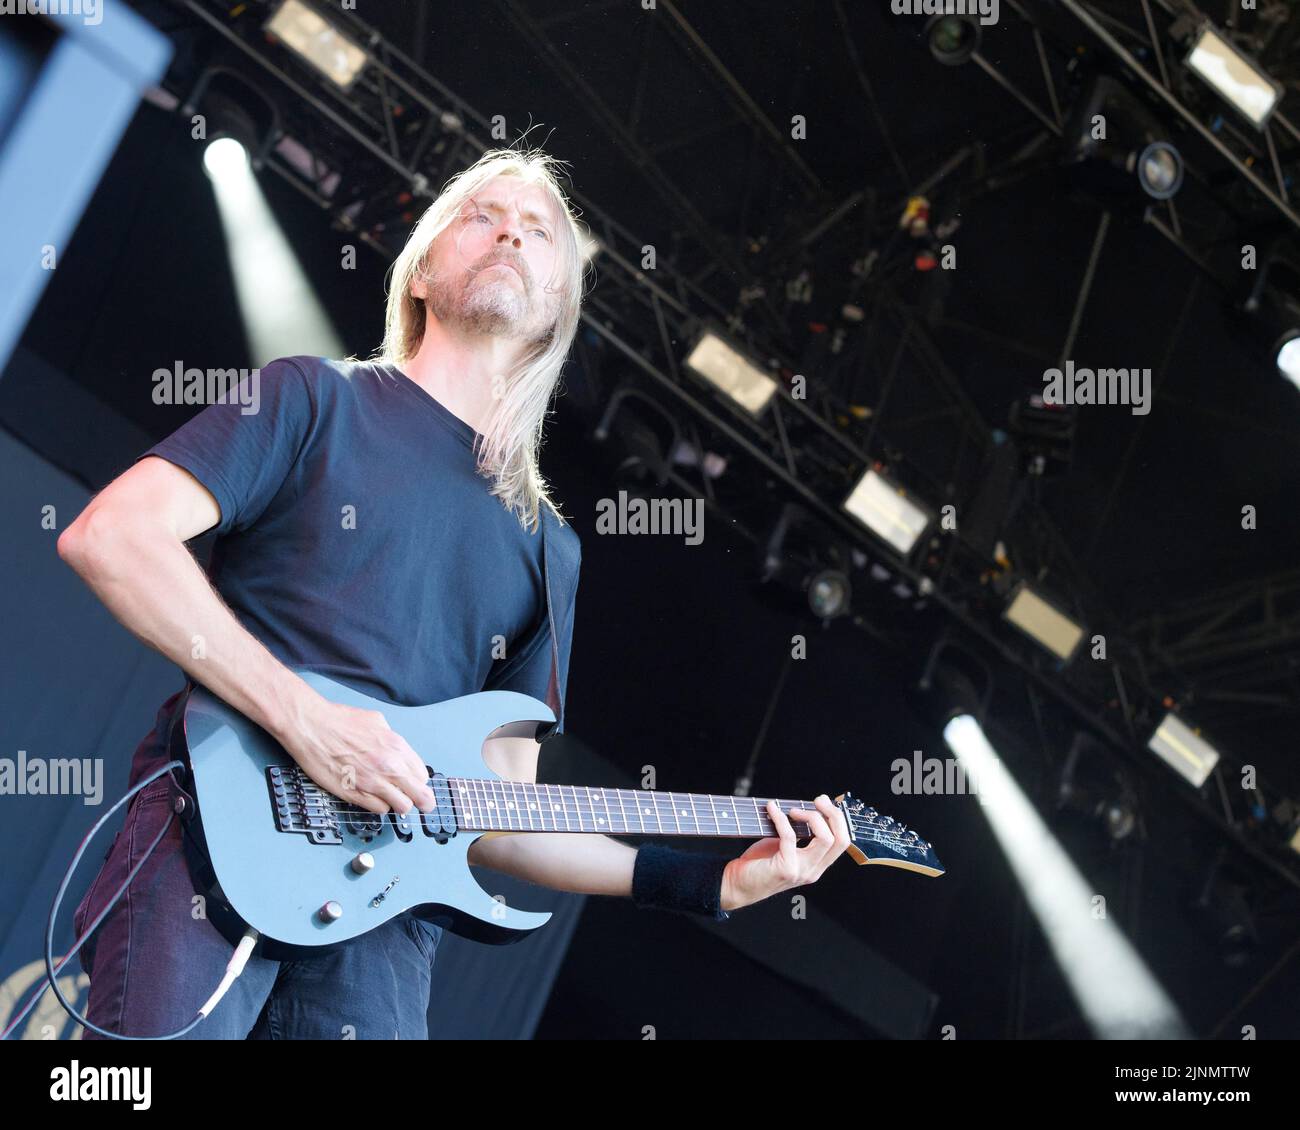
(362,862)
(331,912)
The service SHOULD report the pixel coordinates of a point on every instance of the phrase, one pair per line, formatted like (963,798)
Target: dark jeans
(155,960)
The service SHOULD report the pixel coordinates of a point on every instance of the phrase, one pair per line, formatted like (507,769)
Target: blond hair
(512,436)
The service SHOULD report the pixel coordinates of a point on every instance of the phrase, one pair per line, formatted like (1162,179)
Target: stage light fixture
(1224,914)
(1094,786)
(955,681)
(1043,622)
(803,557)
(642,435)
(887,510)
(229,105)
(1115,141)
(1287,352)
(224,157)
(314,39)
(829,593)
(1272,310)
(1236,79)
(1183,750)
(1044,435)
(1160,170)
(732,373)
(953,39)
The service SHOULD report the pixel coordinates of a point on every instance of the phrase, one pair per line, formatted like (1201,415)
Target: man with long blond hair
(383,522)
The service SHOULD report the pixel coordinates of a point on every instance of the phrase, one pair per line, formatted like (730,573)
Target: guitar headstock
(874,838)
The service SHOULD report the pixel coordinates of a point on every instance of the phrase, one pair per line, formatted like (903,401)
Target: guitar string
(662,817)
(659,799)
(901,845)
(480,803)
(877,833)
(477,803)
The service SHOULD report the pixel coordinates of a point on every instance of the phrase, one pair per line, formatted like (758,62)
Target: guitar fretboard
(519,806)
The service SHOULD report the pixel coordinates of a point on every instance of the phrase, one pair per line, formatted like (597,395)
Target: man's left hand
(774,865)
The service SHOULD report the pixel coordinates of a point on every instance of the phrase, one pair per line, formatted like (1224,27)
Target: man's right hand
(354,754)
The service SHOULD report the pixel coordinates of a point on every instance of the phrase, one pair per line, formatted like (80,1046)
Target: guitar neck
(519,806)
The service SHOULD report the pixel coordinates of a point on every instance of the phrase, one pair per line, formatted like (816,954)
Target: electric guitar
(271,849)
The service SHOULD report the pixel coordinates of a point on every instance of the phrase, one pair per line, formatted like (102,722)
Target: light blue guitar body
(269,848)
(300,890)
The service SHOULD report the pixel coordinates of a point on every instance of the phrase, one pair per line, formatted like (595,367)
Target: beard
(489,303)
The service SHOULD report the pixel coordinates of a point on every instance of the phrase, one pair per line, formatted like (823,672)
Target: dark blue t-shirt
(358,540)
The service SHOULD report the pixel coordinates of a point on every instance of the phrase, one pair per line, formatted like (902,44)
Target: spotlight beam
(281,312)
(1113,987)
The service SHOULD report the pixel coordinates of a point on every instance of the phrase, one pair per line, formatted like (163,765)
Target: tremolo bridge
(301,806)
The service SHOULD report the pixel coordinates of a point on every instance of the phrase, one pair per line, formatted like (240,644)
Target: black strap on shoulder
(546,730)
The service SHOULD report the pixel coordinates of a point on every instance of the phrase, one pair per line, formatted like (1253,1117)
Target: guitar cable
(237,961)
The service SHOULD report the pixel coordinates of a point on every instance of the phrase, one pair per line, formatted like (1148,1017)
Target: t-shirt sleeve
(244,449)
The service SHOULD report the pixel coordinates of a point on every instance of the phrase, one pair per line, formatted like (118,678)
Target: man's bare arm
(128,545)
(584,863)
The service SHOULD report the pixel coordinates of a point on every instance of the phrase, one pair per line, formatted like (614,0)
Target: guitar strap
(554,692)
(182,787)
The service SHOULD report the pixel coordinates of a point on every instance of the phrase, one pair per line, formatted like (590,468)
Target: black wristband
(665,878)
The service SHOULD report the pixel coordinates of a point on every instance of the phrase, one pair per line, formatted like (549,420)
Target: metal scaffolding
(393,137)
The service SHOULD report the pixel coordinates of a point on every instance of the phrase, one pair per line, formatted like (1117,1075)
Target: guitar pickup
(401,822)
(440,824)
